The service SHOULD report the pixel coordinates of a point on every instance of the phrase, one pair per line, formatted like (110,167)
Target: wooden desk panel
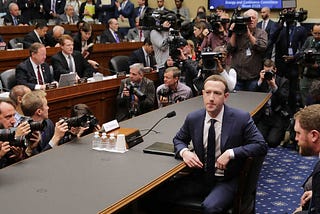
(99,96)
(10,32)
(102,53)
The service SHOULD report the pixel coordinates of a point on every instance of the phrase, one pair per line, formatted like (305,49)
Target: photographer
(311,62)
(81,123)
(11,154)
(34,104)
(288,39)
(247,46)
(273,118)
(136,94)
(172,91)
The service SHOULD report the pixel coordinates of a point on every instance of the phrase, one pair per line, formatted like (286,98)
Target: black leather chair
(13,42)
(245,200)
(119,64)
(8,79)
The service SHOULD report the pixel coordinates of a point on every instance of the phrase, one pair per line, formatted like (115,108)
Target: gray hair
(138,66)
(251,11)
(58,28)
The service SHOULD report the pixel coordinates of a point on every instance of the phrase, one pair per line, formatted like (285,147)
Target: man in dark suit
(34,72)
(67,60)
(105,11)
(69,17)
(37,35)
(269,26)
(222,138)
(13,18)
(129,102)
(125,10)
(273,119)
(111,34)
(143,55)
(53,8)
(307,128)
(53,36)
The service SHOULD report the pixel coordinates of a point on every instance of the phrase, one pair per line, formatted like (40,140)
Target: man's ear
(38,112)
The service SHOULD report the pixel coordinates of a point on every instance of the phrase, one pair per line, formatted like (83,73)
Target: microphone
(138,139)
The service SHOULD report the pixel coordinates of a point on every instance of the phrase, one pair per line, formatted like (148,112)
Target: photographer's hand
(125,92)
(34,139)
(4,148)
(17,153)
(219,65)
(60,129)
(166,24)
(22,129)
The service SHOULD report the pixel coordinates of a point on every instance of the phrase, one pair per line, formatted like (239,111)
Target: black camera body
(240,22)
(176,42)
(164,92)
(208,59)
(9,135)
(134,90)
(291,16)
(312,55)
(215,22)
(153,19)
(268,75)
(85,120)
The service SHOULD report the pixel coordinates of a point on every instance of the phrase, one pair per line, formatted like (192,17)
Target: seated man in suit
(136,94)
(67,60)
(14,17)
(137,34)
(69,17)
(34,72)
(222,138)
(53,36)
(35,105)
(37,35)
(143,55)
(111,34)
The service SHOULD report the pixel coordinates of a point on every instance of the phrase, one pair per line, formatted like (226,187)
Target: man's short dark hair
(64,38)
(269,63)
(41,24)
(86,27)
(147,41)
(218,78)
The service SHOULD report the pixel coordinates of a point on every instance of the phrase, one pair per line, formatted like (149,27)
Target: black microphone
(134,141)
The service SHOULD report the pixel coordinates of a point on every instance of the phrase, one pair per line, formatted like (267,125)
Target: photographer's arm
(60,129)
(22,129)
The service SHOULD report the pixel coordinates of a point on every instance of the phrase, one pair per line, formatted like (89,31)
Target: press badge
(248,52)
(290,51)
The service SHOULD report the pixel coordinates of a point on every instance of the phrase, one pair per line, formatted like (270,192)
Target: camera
(134,90)
(290,16)
(153,19)
(164,92)
(208,59)
(312,55)
(9,135)
(174,44)
(85,120)
(240,22)
(268,75)
(216,21)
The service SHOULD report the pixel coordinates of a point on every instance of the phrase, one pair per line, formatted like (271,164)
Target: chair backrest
(119,64)
(13,42)
(248,181)
(8,79)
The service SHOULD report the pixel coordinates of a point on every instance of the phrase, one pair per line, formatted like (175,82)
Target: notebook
(67,79)
(160,149)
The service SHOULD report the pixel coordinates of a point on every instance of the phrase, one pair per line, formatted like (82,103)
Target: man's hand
(60,129)
(125,92)
(305,197)
(191,159)
(22,129)
(223,160)
(34,139)
(17,153)
(4,148)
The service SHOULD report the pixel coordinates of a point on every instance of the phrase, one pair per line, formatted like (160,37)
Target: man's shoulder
(57,56)
(196,115)
(23,64)
(148,81)
(236,112)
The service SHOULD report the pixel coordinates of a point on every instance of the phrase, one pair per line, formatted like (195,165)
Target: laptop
(67,79)
(160,148)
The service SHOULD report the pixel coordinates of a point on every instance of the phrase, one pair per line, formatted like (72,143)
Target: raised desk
(102,53)
(10,32)
(73,178)
(99,96)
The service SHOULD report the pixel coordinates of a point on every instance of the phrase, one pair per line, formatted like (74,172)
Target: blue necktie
(211,147)
(116,37)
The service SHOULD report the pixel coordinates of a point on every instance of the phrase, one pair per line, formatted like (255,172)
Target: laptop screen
(67,79)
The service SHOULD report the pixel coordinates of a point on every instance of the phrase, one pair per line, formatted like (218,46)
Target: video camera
(164,92)
(9,135)
(85,120)
(311,55)
(240,22)
(290,16)
(208,59)
(175,42)
(134,90)
(216,21)
(153,19)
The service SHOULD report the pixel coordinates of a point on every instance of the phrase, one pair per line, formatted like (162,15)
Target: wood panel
(102,53)
(99,96)
(10,32)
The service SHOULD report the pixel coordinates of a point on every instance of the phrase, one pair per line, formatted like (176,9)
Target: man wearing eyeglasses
(311,62)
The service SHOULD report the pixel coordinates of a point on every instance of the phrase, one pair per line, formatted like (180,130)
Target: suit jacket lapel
(30,68)
(226,126)
(198,131)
